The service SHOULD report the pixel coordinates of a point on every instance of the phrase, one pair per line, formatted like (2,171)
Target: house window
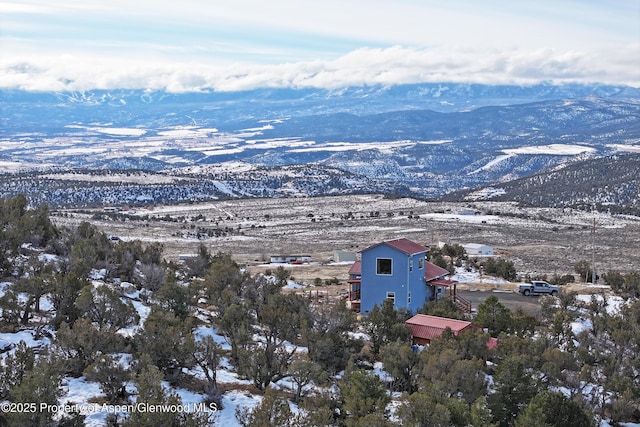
(391,296)
(421,263)
(410,265)
(383,266)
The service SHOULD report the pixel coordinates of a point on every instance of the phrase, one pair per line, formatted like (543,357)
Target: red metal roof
(430,327)
(403,245)
(356,268)
(442,282)
(432,271)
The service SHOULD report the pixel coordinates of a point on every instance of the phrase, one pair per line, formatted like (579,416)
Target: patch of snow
(614,303)
(552,149)
(48,258)
(378,370)
(207,331)
(581,325)
(293,285)
(492,163)
(143,311)
(78,391)
(112,131)
(9,340)
(463,276)
(486,193)
(235,399)
(623,147)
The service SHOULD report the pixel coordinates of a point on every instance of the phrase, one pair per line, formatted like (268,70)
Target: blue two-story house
(396,270)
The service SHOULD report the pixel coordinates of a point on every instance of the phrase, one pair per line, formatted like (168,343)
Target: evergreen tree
(273,410)
(168,341)
(494,316)
(554,409)
(105,308)
(385,325)
(112,377)
(207,355)
(514,389)
(363,394)
(40,386)
(151,394)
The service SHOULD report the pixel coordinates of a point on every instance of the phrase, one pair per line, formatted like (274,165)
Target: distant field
(538,241)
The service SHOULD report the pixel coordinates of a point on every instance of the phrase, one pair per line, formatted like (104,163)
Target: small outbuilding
(477,249)
(290,259)
(341,255)
(425,328)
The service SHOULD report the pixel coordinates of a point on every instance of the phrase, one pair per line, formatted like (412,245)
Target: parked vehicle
(538,287)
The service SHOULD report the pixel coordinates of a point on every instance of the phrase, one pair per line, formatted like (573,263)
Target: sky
(199,45)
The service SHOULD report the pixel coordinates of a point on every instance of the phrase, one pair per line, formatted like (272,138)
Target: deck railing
(462,303)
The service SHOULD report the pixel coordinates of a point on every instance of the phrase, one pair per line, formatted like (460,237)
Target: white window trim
(392,296)
(384,274)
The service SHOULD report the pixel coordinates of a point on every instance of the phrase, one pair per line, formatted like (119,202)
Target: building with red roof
(425,328)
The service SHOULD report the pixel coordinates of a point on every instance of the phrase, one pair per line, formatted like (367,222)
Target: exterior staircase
(462,303)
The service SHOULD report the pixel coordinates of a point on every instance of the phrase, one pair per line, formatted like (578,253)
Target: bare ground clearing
(538,241)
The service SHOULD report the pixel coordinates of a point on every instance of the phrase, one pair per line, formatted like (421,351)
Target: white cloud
(388,66)
(244,44)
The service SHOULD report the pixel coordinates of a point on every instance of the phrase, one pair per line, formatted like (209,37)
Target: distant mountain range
(425,140)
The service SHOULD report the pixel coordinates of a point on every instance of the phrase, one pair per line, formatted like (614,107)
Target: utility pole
(593,252)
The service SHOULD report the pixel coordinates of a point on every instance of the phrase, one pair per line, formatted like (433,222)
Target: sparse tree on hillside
(424,409)
(281,320)
(168,341)
(303,371)
(273,410)
(150,391)
(151,276)
(443,307)
(402,363)
(208,355)
(514,389)
(554,409)
(236,325)
(455,252)
(363,394)
(111,375)
(583,269)
(14,366)
(198,266)
(67,286)
(385,325)
(224,282)
(328,340)
(125,257)
(494,316)
(615,280)
(77,346)
(40,386)
(175,298)
(106,309)
(500,268)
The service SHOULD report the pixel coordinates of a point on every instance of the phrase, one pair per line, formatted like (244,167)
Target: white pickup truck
(538,287)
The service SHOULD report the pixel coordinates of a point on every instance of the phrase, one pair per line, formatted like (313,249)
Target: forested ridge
(608,184)
(117,314)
